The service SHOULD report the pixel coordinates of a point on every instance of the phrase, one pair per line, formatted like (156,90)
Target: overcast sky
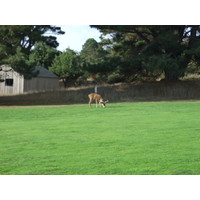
(75,36)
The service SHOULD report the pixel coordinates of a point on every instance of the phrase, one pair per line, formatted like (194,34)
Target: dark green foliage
(126,52)
(94,59)
(66,66)
(17,42)
(92,53)
(154,49)
(26,37)
(21,64)
(115,77)
(43,55)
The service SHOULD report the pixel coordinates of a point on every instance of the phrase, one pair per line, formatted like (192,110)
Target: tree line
(125,53)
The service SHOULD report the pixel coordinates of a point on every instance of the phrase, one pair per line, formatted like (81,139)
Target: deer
(98,99)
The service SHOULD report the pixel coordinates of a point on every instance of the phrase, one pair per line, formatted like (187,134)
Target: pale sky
(75,36)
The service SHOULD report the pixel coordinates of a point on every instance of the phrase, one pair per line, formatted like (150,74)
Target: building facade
(12,82)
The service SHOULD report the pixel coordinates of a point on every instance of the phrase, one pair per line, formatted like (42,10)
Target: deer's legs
(96,103)
(90,101)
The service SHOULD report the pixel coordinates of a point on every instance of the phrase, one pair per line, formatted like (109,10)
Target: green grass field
(132,138)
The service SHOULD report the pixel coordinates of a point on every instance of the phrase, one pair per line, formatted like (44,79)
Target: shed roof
(43,72)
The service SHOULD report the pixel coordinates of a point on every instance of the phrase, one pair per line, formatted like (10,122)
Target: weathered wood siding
(18,81)
(13,83)
(41,84)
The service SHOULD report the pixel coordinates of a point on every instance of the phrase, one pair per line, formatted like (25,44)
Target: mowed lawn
(124,138)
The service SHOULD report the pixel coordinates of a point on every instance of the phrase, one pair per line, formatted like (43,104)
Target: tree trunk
(192,38)
(64,82)
(171,76)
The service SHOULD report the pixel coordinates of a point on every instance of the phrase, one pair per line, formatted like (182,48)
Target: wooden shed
(12,82)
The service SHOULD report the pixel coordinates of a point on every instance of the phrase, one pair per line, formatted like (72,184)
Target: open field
(124,138)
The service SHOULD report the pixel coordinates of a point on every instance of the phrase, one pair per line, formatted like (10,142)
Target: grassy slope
(141,138)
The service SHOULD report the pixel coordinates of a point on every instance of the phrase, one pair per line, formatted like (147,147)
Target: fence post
(95,89)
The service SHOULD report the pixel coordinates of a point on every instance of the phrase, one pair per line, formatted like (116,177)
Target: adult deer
(98,99)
